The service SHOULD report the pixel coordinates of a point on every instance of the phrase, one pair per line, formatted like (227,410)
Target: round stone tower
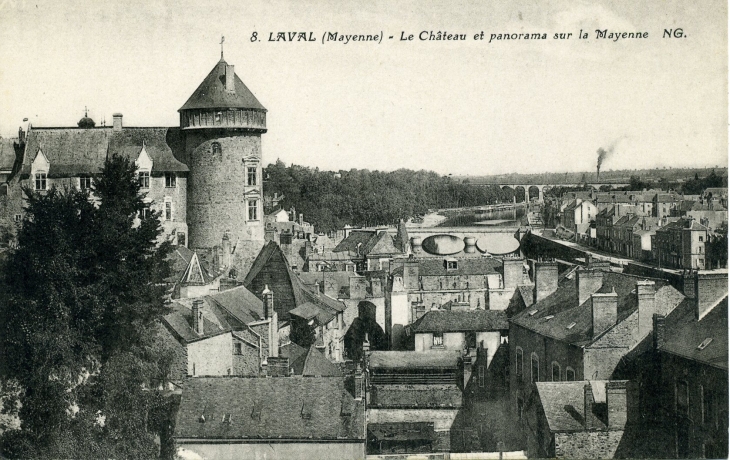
(222,123)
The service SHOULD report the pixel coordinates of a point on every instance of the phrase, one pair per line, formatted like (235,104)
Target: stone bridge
(526,192)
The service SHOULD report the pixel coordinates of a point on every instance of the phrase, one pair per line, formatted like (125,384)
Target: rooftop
(212,94)
(434,359)
(269,410)
(461,321)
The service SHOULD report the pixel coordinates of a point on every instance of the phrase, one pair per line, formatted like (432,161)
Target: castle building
(204,177)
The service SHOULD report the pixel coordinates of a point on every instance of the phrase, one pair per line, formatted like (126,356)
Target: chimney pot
(604,312)
(117,122)
(546,279)
(197,311)
(230,79)
(645,295)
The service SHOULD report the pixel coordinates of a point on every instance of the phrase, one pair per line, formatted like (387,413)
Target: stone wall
(587,444)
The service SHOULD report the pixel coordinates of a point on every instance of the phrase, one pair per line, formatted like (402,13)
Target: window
(145,212)
(518,363)
(569,374)
(40,181)
(451,265)
(218,117)
(168,210)
(18,217)
(682,398)
(253,210)
(237,348)
(556,372)
(534,368)
(708,406)
(251,175)
(216,148)
(181,239)
(700,239)
(85,182)
(481,376)
(438,339)
(520,404)
(471,339)
(170,180)
(144,179)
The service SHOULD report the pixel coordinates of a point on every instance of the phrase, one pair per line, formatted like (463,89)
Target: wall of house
(277,450)
(211,356)
(193,290)
(477,298)
(491,341)
(499,299)
(707,429)
(248,362)
(587,444)
(333,336)
(158,193)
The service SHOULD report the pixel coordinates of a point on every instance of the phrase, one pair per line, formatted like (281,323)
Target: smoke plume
(603,155)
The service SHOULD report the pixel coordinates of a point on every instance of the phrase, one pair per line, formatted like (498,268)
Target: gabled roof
(461,321)
(381,243)
(302,293)
(560,317)
(433,359)
(7,154)
(309,310)
(684,334)
(268,410)
(212,94)
(241,303)
(180,322)
(356,238)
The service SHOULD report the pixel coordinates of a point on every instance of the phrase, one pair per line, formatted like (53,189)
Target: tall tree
(83,291)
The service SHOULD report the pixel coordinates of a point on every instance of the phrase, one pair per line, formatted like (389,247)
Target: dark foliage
(365,198)
(84,289)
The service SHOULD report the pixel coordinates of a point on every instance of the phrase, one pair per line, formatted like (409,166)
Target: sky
(470,107)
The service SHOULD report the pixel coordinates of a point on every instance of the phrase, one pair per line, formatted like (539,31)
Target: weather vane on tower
(222,40)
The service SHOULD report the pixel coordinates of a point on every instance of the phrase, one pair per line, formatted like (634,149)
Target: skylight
(532,313)
(571,325)
(549,317)
(704,343)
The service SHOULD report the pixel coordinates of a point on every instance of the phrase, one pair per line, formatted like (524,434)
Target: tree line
(361,197)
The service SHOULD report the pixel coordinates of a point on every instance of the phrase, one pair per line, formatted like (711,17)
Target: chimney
(365,345)
(21,136)
(198,316)
(230,79)
(588,406)
(587,283)
(645,301)
(268,297)
(546,279)
(226,246)
(117,124)
(411,274)
(467,370)
(616,403)
(359,383)
(604,312)
(274,335)
(658,331)
(710,288)
(512,272)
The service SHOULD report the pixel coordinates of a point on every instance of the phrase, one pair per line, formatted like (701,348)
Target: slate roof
(309,310)
(313,363)
(553,314)
(355,237)
(241,303)
(7,154)
(76,151)
(432,266)
(381,243)
(683,334)
(461,321)
(222,312)
(269,409)
(433,359)
(212,94)
(415,396)
(563,404)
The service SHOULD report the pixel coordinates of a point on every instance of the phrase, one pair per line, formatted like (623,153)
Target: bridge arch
(520,194)
(534,192)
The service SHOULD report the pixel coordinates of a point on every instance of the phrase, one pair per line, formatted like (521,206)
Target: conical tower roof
(212,93)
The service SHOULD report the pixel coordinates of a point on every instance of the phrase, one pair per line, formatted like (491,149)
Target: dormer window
(85,182)
(40,181)
(451,264)
(170,180)
(144,179)
(216,148)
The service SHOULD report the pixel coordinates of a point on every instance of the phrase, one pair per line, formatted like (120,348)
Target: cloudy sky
(469,107)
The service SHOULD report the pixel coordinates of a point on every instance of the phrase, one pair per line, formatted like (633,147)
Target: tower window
(40,181)
(253,209)
(170,180)
(144,179)
(216,148)
(168,210)
(251,175)
(218,117)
